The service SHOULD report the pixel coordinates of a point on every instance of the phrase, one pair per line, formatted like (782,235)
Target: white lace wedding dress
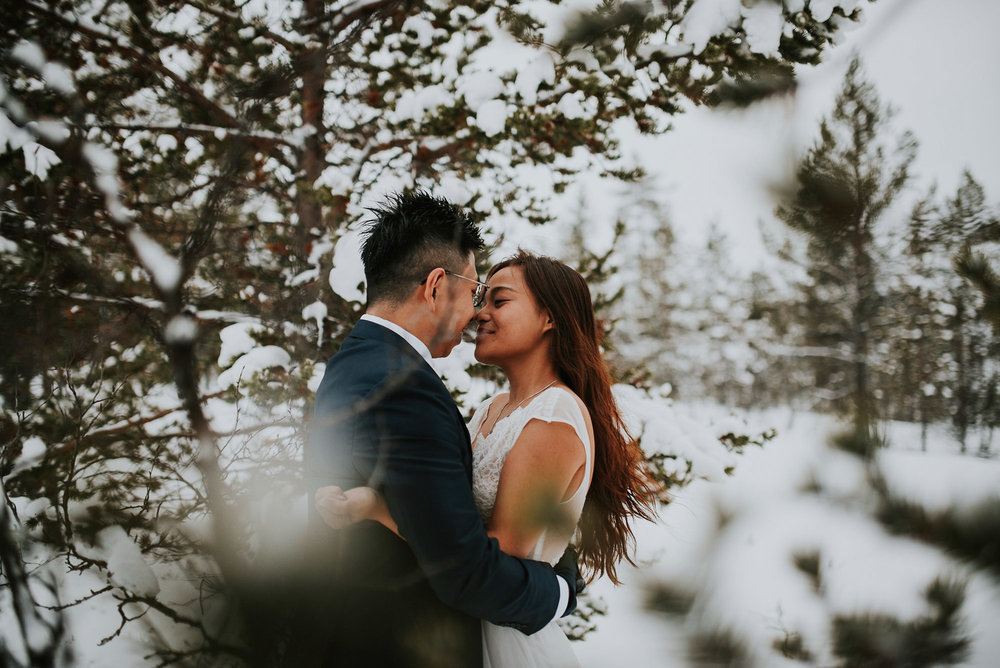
(504,647)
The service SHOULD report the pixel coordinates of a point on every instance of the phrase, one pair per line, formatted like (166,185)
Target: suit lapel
(467,450)
(371,331)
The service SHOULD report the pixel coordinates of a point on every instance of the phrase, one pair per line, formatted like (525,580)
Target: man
(383,418)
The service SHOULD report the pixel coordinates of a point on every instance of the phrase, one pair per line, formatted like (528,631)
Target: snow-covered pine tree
(685,319)
(973,266)
(598,267)
(965,223)
(844,185)
(917,381)
(717,340)
(185,173)
(797,553)
(641,339)
(781,377)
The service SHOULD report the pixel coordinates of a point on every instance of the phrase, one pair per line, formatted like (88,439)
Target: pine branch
(976,269)
(122,428)
(131,52)
(94,593)
(42,638)
(823,352)
(259,29)
(971,534)
(200,130)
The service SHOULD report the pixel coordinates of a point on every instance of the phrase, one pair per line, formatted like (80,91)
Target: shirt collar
(414,342)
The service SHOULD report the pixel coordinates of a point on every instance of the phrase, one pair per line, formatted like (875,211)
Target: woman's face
(510,322)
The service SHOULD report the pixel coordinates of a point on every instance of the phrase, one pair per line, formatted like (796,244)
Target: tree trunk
(961,419)
(864,405)
(311,158)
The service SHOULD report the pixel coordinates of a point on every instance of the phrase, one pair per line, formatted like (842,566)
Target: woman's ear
(549,323)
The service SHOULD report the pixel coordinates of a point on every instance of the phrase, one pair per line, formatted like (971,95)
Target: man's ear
(431,286)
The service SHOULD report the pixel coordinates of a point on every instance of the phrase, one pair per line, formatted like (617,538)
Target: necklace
(500,416)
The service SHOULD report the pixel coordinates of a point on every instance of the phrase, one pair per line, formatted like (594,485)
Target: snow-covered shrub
(818,555)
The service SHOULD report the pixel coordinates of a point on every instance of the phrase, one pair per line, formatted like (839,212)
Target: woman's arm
(545,466)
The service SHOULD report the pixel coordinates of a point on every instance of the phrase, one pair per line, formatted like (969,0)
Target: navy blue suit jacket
(383,418)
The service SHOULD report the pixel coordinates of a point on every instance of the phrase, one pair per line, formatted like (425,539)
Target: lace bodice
(490,452)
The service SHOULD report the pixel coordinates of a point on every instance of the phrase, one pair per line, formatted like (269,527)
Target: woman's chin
(481,355)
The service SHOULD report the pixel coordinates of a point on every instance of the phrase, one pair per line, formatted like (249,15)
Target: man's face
(457,309)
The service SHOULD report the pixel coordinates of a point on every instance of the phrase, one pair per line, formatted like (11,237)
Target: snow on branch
(195,129)
(104,164)
(162,267)
(54,75)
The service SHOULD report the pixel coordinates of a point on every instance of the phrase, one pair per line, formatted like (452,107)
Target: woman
(551,455)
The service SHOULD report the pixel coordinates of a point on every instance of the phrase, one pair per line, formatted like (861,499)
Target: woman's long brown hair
(621,488)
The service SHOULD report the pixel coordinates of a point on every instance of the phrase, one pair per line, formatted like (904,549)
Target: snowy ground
(741,578)
(744,574)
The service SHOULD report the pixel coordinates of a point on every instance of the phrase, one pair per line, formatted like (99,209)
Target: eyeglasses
(480,294)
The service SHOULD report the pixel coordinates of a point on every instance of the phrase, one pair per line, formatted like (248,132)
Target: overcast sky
(938,63)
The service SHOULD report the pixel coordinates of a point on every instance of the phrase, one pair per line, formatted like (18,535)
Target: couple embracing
(446,544)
